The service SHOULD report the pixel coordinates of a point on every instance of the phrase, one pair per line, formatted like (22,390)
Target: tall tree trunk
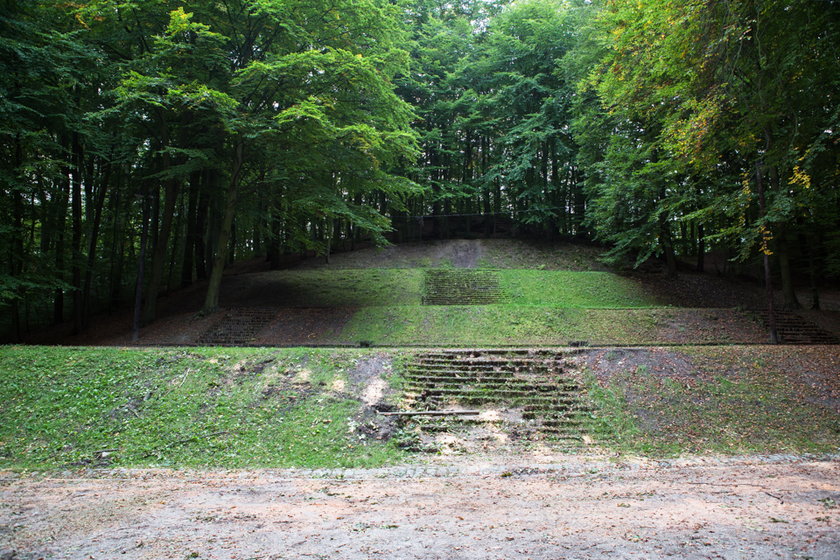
(788,291)
(765,253)
(159,252)
(93,236)
(16,245)
(187,262)
(701,248)
(813,269)
(666,240)
(141,269)
(60,224)
(211,300)
(117,253)
(201,228)
(178,243)
(76,242)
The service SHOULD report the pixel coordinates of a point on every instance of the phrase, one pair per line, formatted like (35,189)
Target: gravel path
(582,508)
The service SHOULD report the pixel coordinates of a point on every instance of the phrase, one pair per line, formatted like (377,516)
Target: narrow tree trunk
(701,248)
(813,270)
(60,224)
(76,242)
(187,262)
(16,246)
(178,243)
(201,230)
(118,241)
(211,301)
(666,240)
(141,265)
(93,236)
(788,289)
(765,253)
(159,251)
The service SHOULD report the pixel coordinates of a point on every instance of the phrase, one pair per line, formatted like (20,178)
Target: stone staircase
(794,329)
(239,326)
(461,287)
(523,394)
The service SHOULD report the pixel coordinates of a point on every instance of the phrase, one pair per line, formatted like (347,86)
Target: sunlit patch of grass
(500,324)
(577,290)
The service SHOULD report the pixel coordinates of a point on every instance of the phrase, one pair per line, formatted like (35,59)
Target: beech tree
(146,144)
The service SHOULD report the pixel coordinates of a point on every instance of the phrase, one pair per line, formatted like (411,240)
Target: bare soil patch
(583,509)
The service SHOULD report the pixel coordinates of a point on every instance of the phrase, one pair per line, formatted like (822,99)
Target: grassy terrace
(513,325)
(240,407)
(392,286)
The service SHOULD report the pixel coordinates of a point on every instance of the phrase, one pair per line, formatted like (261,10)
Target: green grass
(500,324)
(382,286)
(521,254)
(574,290)
(232,407)
(750,408)
(244,407)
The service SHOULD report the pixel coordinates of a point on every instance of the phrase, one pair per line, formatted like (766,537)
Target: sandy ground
(579,508)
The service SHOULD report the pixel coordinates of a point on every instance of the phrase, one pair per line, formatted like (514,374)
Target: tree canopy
(146,144)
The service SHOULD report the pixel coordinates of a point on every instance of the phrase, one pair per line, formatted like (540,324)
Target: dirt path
(584,509)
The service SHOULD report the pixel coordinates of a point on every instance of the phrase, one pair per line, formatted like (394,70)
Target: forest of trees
(148,143)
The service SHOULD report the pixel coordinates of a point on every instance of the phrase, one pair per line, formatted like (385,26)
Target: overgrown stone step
(554,425)
(561,422)
(488,383)
(540,367)
(461,287)
(433,405)
(479,375)
(792,328)
(495,360)
(500,358)
(547,391)
(547,404)
(552,409)
(497,393)
(562,409)
(478,352)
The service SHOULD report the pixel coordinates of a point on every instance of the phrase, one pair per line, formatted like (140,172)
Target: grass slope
(716,399)
(239,407)
(573,290)
(384,286)
(532,325)
(232,407)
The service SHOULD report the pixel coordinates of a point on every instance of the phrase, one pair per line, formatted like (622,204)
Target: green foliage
(703,111)
(252,128)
